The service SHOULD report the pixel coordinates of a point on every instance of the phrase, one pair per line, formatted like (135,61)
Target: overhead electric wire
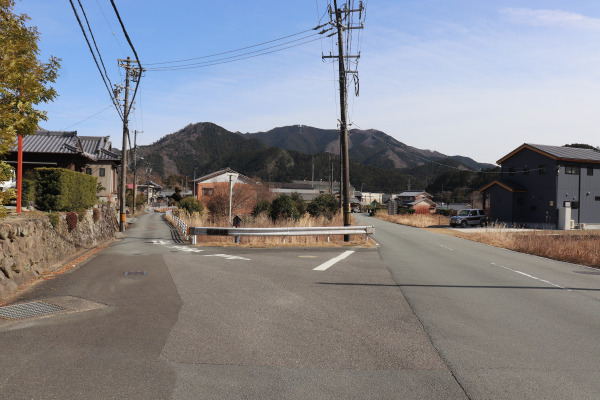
(111,95)
(137,59)
(110,26)
(229,59)
(242,48)
(95,44)
(90,117)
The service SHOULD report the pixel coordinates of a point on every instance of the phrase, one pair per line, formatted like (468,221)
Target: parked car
(11,184)
(469,216)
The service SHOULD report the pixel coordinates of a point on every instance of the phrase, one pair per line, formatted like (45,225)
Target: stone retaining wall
(29,247)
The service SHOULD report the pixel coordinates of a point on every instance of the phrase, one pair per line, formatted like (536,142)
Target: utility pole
(135,169)
(134,74)
(345,162)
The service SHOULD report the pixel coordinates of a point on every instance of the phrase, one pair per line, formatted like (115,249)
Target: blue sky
(469,77)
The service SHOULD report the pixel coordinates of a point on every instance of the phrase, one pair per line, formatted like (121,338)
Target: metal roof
(557,153)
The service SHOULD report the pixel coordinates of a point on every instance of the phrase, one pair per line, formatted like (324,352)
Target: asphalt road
(221,323)
(508,325)
(424,316)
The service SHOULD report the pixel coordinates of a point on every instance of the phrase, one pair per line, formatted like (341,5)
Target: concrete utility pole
(135,169)
(345,162)
(134,74)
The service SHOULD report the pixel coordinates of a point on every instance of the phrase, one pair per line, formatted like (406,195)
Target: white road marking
(186,249)
(532,277)
(441,245)
(227,257)
(329,263)
(160,242)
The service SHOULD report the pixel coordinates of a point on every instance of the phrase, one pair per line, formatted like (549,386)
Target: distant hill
(378,161)
(369,147)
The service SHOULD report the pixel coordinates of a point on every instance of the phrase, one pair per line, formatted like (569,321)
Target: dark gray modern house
(546,186)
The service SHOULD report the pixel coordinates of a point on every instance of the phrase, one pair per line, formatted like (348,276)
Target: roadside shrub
(299,203)
(191,205)
(140,200)
(96,213)
(287,207)
(71,220)
(262,206)
(325,205)
(27,192)
(443,211)
(406,211)
(54,218)
(64,190)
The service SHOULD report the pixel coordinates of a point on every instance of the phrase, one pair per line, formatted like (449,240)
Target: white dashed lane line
(531,276)
(326,265)
(441,245)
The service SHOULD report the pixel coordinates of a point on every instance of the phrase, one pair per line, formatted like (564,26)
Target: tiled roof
(92,147)
(413,193)
(558,152)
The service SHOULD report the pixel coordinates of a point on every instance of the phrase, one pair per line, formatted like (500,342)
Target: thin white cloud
(558,18)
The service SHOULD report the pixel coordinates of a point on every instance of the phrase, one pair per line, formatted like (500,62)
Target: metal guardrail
(193,231)
(284,232)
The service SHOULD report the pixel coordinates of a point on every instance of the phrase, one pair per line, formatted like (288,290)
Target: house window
(208,191)
(542,169)
(597,198)
(511,171)
(571,170)
(590,171)
(102,172)
(520,201)
(88,171)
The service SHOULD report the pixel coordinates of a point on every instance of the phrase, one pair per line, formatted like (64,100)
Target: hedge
(59,189)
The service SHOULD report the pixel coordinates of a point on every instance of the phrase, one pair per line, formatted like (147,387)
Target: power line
(110,27)
(137,59)
(227,60)
(104,79)
(90,117)
(241,48)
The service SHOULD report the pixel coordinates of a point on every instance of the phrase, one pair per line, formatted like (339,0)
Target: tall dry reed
(579,247)
(418,220)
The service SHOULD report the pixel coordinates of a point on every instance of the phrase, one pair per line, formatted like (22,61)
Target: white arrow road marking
(331,262)
(227,257)
(186,249)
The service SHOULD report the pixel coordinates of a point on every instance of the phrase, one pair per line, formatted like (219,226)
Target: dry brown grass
(272,241)
(578,247)
(418,220)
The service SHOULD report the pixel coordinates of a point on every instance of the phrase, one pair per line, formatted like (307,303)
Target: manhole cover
(135,273)
(28,310)
(588,272)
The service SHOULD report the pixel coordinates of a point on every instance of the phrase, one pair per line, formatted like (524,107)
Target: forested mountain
(369,147)
(378,161)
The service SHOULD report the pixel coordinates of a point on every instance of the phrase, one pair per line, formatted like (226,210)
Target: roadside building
(92,155)
(544,185)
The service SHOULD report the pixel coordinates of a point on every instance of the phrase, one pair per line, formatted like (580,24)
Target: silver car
(468,217)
